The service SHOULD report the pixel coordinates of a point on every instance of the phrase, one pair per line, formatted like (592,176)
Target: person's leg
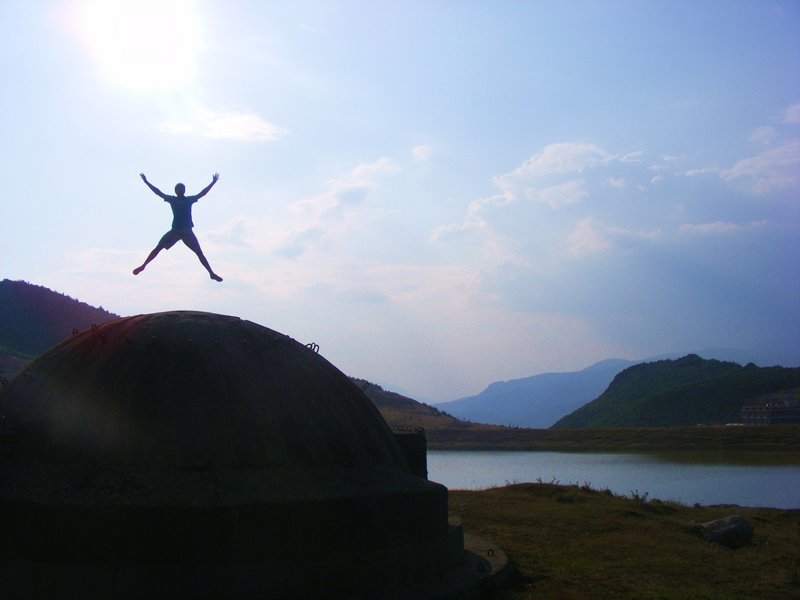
(191,241)
(149,258)
(165,243)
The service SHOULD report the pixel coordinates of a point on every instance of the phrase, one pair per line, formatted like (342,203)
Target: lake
(663,476)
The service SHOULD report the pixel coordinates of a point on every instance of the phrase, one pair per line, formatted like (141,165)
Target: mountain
(537,401)
(34,318)
(401,411)
(683,392)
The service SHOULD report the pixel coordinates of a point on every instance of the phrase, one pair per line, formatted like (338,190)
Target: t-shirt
(181,211)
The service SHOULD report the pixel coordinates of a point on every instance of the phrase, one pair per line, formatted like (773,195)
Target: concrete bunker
(196,454)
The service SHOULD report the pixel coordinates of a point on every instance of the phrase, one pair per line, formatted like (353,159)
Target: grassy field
(568,542)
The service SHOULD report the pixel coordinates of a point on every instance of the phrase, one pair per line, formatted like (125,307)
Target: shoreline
(761,441)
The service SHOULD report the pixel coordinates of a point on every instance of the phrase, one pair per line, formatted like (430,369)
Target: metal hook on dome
(313,347)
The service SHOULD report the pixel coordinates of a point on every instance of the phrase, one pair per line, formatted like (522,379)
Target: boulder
(733,531)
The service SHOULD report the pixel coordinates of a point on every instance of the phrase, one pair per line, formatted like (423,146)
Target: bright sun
(143,45)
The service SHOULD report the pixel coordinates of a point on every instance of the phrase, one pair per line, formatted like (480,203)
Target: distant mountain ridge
(683,392)
(34,318)
(541,400)
(538,401)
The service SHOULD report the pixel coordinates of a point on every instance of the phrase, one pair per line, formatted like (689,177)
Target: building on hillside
(775,409)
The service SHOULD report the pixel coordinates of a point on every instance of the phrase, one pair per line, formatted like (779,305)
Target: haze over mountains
(537,401)
(34,318)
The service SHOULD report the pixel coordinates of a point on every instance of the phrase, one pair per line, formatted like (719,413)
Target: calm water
(660,476)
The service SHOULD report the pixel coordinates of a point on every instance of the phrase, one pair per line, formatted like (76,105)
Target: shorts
(169,239)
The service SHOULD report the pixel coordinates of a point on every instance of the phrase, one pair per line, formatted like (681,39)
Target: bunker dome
(204,454)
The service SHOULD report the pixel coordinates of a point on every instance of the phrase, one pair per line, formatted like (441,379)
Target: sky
(440,194)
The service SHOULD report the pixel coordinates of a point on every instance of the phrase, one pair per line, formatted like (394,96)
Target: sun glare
(143,45)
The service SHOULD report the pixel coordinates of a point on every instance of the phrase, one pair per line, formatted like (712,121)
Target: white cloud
(321,219)
(772,170)
(702,171)
(362,173)
(474,219)
(792,114)
(240,126)
(587,238)
(561,174)
(422,153)
(570,192)
(709,228)
(717,227)
(763,135)
(617,182)
(555,159)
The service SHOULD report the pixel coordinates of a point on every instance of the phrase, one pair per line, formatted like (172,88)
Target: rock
(733,532)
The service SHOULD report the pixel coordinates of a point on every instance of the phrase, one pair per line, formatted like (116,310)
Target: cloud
(554,160)
(564,176)
(717,227)
(618,182)
(562,158)
(792,114)
(239,126)
(702,171)
(772,170)
(587,239)
(570,192)
(422,153)
(474,219)
(539,179)
(763,135)
(318,220)
(590,237)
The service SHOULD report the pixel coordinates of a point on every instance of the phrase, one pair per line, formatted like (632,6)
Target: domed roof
(192,389)
(195,392)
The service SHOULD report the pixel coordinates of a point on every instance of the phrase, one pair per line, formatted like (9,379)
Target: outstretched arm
(156,191)
(206,189)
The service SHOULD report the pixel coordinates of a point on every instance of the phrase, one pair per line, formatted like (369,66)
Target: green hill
(683,392)
(34,318)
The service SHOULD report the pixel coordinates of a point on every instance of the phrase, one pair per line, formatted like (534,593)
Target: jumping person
(181,205)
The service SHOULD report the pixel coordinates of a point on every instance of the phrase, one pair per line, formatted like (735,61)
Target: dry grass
(569,542)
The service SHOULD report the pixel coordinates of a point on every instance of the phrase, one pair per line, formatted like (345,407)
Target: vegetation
(34,318)
(572,542)
(400,411)
(680,393)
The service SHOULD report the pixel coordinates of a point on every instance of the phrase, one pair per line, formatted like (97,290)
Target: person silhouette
(181,205)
